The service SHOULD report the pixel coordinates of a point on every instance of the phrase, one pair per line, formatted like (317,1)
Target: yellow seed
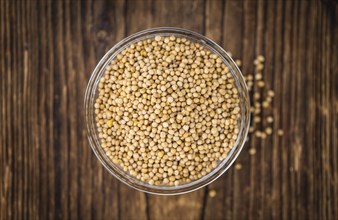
(259,67)
(110,123)
(257,95)
(257,119)
(268,130)
(251,129)
(261,84)
(252,151)
(160,154)
(260,58)
(158,38)
(258,134)
(280,132)
(258,76)
(269,119)
(212,193)
(271,93)
(238,166)
(265,104)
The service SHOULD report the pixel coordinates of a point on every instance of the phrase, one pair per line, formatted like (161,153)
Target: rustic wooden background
(47,53)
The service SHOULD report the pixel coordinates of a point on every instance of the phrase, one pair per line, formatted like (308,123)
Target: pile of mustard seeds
(167,110)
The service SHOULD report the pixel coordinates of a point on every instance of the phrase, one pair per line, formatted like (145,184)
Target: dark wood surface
(48,50)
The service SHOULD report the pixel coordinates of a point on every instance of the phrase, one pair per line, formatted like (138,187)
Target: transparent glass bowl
(92,92)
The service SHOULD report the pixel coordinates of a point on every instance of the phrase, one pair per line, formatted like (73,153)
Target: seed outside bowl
(91,95)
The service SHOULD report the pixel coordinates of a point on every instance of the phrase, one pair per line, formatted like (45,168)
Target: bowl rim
(126,178)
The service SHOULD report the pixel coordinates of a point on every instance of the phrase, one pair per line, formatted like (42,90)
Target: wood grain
(48,50)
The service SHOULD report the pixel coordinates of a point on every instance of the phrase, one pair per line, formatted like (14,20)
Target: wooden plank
(184,14)
(46,133)
(233,27)
(4,169)
(7,194)
(105,22)
(30,116)
(266,147)
(187,206)
(45,112)
(334,119)
(284,98)
(328,173)
(275,82)
(214,20)
(44,174)
(311,115)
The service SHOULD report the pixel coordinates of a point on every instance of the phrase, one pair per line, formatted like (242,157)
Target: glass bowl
(92,92)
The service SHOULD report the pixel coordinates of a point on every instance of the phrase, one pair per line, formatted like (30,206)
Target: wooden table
(48,50)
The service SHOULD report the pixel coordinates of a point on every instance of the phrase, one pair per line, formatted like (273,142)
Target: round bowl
(116,170)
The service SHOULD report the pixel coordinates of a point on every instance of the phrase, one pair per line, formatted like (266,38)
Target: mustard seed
(269,119)
(212,193)
(271,93)
(252,151)
(238,166)
(260,83)
(258,76)
(268,130)
(260,58)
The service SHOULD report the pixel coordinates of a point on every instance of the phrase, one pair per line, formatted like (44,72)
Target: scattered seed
(257,110)
(271,93)
(268,130)
(258,76)
(212,193)
(257,95)
(269,119)
(238,62)
(258,103)
(257,119)
(252,151)
(256,62)
(258,134)
(251,129)
(260,58)
(260,83)
(259,67)
(265,104)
